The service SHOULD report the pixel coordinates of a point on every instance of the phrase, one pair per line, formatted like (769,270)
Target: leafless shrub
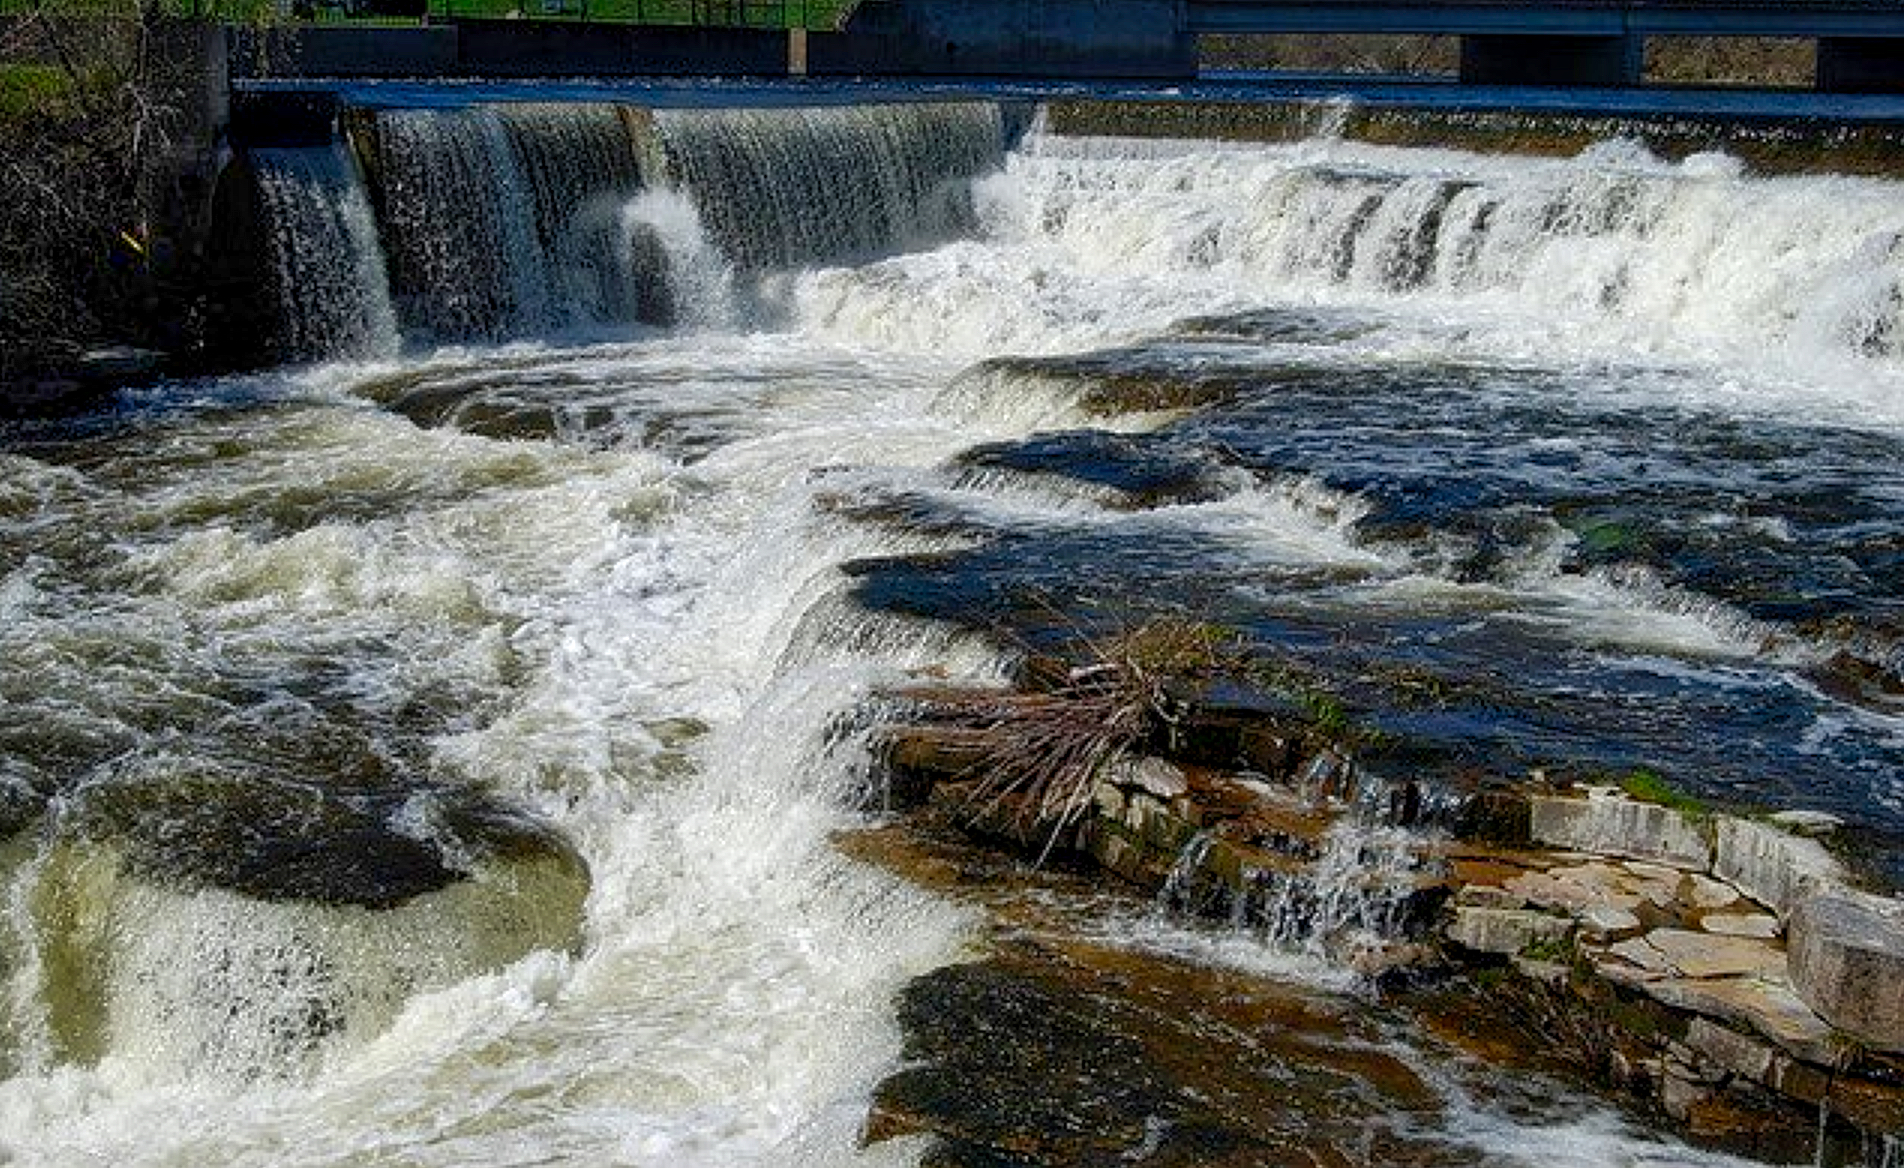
(89,113)
(1045,751)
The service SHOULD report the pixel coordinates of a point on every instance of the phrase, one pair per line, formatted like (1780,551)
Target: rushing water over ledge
(1585,464)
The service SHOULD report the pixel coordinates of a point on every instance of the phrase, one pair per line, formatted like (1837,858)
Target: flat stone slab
(1488,896)
(1706,955)
(1609,824)
(1709,893)
(1603,920)
(1847,963)
(1574,889)
(1505,930)
(1763,926)
(1597,884)
(1766,1006)
(1637,951)
(1683,953)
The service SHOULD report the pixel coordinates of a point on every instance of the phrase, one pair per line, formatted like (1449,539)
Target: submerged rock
(277,840)
(189,928)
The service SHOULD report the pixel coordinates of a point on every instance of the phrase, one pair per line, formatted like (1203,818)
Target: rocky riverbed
(1721,972)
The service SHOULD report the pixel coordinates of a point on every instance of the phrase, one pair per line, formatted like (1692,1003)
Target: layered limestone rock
(1772,866)
(1606,823)
(1751,991)
(1772,979)
(1847,962)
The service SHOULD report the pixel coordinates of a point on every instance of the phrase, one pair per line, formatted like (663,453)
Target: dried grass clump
(1046,751)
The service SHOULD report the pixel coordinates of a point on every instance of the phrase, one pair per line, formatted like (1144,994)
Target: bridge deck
(1823,18)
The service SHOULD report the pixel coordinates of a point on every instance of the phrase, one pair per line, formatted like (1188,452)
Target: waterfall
(1357,892)
(325,267)
(1697,254)
(504,221)
(1352,890)
(785,187)
(500,222)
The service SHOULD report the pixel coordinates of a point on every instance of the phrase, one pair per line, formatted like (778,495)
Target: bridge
(1588,42)
(1503,42)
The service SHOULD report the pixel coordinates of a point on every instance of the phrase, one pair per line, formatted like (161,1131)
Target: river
(428,750)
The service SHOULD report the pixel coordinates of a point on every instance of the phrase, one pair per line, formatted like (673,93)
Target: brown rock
(1703,955)
(1766,1007)
(1847,958)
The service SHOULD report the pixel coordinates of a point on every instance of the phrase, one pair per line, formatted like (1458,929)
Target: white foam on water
(730,1003)
(632,623)
(1225,948)
(1787,284)
(1543,1125)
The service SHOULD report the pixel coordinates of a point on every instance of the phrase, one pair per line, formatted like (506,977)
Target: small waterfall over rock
(1348,873)
(503,221)
(327,272)
(780,187)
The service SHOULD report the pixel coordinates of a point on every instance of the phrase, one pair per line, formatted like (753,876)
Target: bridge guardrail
(816,15)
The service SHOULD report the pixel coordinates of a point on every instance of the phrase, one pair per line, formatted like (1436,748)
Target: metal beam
(1842,18)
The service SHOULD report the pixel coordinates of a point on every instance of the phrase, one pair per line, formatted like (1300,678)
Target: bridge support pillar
(1549,59)
(1860,65)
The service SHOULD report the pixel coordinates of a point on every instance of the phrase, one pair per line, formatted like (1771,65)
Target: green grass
(1649,787)
(28,89)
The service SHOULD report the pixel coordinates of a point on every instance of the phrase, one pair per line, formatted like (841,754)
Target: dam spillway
(493,222)
(429,748)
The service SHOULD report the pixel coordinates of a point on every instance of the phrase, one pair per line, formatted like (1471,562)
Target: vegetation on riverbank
(1765,61)
(85,113)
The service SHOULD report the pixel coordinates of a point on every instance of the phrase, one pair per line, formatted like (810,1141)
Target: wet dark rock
(72,382)
(1852,678)
(1076,1057)
(911,512)
(1228,723)
(281,841)
(1278,326)
(1058,1050)
(1497,817)
(1112,382)
(1144,473)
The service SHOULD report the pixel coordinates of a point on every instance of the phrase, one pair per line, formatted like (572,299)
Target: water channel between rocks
(435,749)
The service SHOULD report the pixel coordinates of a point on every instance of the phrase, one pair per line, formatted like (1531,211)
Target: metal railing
(818,15)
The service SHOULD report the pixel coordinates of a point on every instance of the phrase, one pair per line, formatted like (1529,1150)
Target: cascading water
(1664,255)
(440,763)
(329,279)
(783,187)
(504,221)
(500,222)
